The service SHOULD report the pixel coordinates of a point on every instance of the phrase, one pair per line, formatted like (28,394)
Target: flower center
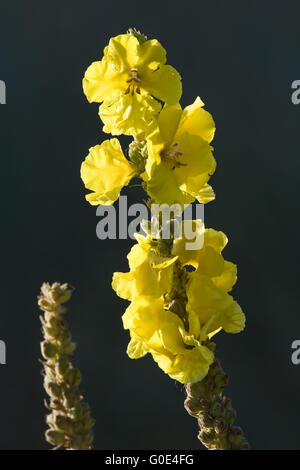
(172,155)
(133,80)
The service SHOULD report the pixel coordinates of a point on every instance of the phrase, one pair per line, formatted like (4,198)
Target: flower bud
(56,438)
(48,349)
(192,406)
(65,424)
(236,434)
(230,416)
(217,410)
(73,378)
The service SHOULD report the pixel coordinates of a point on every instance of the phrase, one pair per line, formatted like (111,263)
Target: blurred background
(240,58)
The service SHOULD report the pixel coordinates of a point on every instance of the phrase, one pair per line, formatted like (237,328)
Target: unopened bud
(230,416)
(56,438)
(205,421)
(65,424)
(236,434)
(48,349)
(73,378)
(220,426)
(207,437)
(217,410)
(192,406)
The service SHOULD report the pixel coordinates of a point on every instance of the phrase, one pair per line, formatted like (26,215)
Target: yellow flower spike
(127,79)
(105,171)
(180,160)
(174,311)
(160,332)
(149,275)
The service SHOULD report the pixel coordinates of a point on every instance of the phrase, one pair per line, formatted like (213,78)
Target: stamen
(133,79)
(172,154)
(133,76)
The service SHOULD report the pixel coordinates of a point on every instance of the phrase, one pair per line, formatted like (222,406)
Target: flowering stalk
(69,421)
(205,400)
(214,412)
(178,286)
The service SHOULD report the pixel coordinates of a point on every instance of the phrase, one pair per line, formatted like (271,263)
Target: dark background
(241,58)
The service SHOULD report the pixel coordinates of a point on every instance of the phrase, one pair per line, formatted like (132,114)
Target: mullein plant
(174,310)
(69,421)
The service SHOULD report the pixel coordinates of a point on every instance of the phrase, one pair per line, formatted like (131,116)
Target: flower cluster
(174,312)
(179,297)
(177,160)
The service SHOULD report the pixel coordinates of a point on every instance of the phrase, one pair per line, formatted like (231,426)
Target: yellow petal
(137,255)
(205,194)
(102,82)
(130,114)
(143,318)
(123,51)
(168,122)
(123,285)
(142,281)
(151,56)
(105,171)
(136,348)
(204,298)
(192,366)
(210,262)
(163,135)
(155,146)
(195,120)
(233,320)
(192,232)
(198,163)
(104,198)
(227,278)
(163,83)
(149,275)
(216,239)
(163,186)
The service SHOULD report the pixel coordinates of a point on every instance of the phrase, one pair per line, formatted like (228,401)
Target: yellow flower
(208,286)
(149,275)
(180,160)
(126,80)
(105,171)
(160,332)
(215,308)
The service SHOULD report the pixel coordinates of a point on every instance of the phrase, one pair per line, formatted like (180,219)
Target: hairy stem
(69,421)
(215,415)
